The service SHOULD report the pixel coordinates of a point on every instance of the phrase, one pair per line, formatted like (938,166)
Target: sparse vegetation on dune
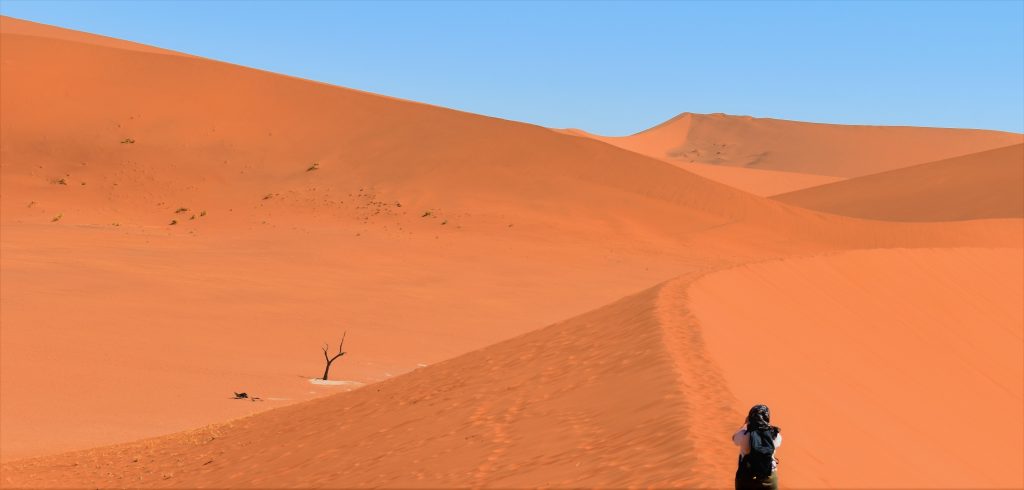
(314,166)
(127,141)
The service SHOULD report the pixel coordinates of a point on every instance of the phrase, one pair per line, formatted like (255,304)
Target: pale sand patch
(340,382)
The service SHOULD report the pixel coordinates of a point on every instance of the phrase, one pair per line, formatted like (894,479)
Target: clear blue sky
(614,68)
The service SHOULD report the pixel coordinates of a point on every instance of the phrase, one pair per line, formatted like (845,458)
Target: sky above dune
(613,68)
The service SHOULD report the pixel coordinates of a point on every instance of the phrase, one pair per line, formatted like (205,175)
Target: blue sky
(614,68)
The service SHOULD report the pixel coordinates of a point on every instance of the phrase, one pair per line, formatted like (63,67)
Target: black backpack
(762,449)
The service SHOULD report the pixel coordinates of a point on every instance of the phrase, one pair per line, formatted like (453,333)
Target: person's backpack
(762,449)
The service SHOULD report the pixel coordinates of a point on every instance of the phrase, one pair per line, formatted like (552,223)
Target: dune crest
(591,401)
(831,150)
(634,393)
(11,25)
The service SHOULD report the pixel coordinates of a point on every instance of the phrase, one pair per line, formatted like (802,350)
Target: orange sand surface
(755,181)
(987,184)
(879,363)
(175,229)
(149,333)
(808,148)
(524,412)
(10,25)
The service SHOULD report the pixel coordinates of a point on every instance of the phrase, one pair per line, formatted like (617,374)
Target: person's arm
(737,438)
(778,440)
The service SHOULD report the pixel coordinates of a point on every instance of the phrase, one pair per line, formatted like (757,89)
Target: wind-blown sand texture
(980,185)
(433,237)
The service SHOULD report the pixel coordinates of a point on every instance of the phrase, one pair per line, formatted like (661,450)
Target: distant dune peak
(833,150)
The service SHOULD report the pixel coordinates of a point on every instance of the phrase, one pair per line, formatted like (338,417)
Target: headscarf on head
(759,418)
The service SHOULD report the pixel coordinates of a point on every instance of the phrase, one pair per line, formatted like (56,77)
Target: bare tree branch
(329,359)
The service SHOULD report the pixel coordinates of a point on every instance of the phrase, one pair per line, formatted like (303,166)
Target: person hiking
(758,440)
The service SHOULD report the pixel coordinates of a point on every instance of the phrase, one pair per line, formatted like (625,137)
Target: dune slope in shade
(808,148)
(988,184)
(591,401)
(917,358)
(756,181)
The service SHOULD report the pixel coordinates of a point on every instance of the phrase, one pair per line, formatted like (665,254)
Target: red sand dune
(917,358)
(148,326)
(633,394)
(808,148)
(756,181)
(759,182)
(986,184)
(10,25)
(592,401)
(426,233)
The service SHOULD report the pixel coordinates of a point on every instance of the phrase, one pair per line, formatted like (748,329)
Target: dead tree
(329,359)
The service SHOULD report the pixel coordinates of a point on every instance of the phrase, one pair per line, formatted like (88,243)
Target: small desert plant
(202,213)
(180,210)
(268,196)
(193,217)
(127,141)
(314,166)
(61,181)
(445,222)
(174,222)
(57,218)
(425,214)
(116,223)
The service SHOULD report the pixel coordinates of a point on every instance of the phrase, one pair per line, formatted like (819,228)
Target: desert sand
(981,185)
(756,181)
(523,306)
(902,343)
(810,148)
